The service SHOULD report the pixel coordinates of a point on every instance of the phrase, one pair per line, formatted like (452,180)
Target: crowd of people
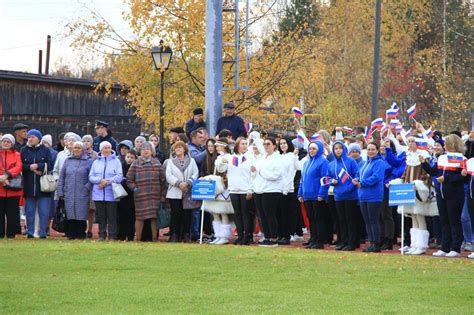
(270,188)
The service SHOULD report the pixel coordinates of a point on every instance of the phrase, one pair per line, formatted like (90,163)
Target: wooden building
(54,104)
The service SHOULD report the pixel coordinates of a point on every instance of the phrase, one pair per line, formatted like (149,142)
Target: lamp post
(162,59)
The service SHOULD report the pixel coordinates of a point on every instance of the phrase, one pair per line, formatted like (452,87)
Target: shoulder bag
(47,182)
(15,183)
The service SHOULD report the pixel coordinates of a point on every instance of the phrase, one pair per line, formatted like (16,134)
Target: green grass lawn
(55,276)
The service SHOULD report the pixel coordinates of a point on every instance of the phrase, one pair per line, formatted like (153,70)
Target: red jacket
(10,163)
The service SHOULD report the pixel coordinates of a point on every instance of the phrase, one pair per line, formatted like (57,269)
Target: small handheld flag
(412,111)
(376,123)
(347,129)
(394,123)
(429,132)
(384,128)
(421,144)
(398,128)
(367,133)
(248,127)
(325,180)
(297,112)
(392,113)
(235,161)
(394,106)
(315,137)
(300,139)
(343,175)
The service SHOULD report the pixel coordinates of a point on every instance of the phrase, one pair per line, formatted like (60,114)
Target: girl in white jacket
(289,157)
(237,166)
(267,186)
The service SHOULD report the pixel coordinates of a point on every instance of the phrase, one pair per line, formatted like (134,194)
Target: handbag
(164,217)
(118,191)
(16,183)
(60,218)
(189,203)
(47,181)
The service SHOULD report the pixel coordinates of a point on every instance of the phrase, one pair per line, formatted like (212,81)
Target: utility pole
(375,75)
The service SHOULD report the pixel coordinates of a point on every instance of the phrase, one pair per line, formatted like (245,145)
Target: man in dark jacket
(196,122)
(103,134)
(470,145)
(231,122)
(20,135)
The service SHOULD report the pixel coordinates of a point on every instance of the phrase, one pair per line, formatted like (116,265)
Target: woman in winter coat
(181,170)
(449,194)
(35,159)
(105,171)
(10,167)
(126,205)
(146,179)
(74,188)
(341,171)
(237,166)
(313,191)
(268,187)
(371,193)
(289,157)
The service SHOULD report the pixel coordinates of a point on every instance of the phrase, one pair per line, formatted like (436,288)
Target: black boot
(374,248)
(387,244)
(173,238)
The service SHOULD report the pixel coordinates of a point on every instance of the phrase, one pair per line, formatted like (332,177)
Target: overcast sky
(24,25)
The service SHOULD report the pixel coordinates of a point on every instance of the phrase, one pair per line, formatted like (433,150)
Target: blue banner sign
(402,195)
(203,190)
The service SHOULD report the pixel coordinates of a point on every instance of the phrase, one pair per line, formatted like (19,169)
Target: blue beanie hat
(35,132)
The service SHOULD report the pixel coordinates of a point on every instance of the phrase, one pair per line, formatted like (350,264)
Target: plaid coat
(147,181)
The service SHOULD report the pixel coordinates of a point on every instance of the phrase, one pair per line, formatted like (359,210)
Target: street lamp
(162,59)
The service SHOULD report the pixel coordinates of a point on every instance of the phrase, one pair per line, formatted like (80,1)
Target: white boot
(413,237)
(226,232)
(421,242)
(216,225)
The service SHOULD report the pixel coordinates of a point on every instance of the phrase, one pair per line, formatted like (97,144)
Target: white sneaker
(468,247)
(222,241)
(453,254)
(405,249)
(418,251)
(471,256)
(439,253)
(296,238)
(215,240)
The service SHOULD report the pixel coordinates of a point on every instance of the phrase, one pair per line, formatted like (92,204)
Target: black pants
(267,204)
(347,215)
(106,216)
(243,216)
(332,221)
(317,212)
(297,221)
(450,211)
(180,218)
(76,229)
(126,222)
(9,210)
(470,208)
(284,216)
(387,225)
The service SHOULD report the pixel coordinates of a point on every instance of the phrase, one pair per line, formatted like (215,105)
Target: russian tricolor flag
(455,158)
(343,175)
(248,126)
(347,129)
(384,128)
(315,137)
(325,180)
(398,128)
(377,123)
(429,132)
(394,123)
(421,144)
(367,133)
(235,161)
(300,139)
(394,106)
(297,112)
(412,111)
(392,113)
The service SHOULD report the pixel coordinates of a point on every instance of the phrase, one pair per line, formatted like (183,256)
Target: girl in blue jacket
(371,184)
(342,170)
(313,194)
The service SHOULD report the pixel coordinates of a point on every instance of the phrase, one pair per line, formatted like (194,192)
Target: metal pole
(213,88)
(375,76)
(48,52)
(40,61)
(162,111)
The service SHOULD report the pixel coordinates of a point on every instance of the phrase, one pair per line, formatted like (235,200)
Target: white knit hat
(47,139)
(9,137)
